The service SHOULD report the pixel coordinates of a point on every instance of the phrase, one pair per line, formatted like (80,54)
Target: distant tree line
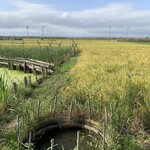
(10,38)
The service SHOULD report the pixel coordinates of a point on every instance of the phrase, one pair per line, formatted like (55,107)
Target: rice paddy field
(115,78)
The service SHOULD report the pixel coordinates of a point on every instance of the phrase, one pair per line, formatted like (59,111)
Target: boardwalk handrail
(28,64)
(28,61)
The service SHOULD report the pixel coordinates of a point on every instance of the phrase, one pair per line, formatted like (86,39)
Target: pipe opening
(66,134)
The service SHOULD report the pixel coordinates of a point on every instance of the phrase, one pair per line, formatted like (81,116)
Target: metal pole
(110,31)
(27,30)
(127,32)
(43,30)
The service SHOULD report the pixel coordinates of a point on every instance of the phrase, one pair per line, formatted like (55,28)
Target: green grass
(3,91)
(9,140)
(14,76)
(54,55)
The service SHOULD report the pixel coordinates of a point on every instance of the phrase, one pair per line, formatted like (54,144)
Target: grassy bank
(22,101)
(27,106)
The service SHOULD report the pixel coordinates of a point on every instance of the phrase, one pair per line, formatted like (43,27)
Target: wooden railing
(27,65)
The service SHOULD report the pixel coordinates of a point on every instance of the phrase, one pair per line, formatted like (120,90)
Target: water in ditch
(67,140)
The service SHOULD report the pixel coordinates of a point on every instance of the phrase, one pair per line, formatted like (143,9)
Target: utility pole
(127,32)
(27,27)
(110,31)
(43,30)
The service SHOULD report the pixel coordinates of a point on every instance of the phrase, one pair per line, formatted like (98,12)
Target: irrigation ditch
(69,130)
(64,132)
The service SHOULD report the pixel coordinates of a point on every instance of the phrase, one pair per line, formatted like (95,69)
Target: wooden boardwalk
(27,65)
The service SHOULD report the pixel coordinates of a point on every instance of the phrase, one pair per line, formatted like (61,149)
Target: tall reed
(3,91)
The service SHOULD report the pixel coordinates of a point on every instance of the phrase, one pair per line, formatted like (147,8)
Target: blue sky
(79,4)
(89,4)
(78,17)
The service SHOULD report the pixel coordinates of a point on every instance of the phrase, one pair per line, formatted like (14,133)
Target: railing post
(78,140)
(25,82)
(70,111)
(15,87)
(52,144)
(38,113)
(19,131)
(89,106)
(25,68)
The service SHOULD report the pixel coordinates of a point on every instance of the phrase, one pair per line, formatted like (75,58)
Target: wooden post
(65,57)
(19,130)
(89,106)
(30,137)
(46,72)
(78,140)
(52,144)
(70,111)
(28,126)
(19,67)
(42,69)
(35,73)
(104,132)
(55,104)
(38,43)
(49,44)
(9,65)
(30,82)
(25,67)
(23,43)
(33,70)
(25,82)
(73,50)
(38,113)
(13,67)
(12,43)
(15,87)
(106,117)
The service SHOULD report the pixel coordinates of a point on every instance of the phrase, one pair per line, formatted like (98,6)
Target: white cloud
(91,21)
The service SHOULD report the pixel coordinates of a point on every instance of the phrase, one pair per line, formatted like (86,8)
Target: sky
(97,18)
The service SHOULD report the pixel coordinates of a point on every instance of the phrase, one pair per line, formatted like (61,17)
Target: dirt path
(11,124)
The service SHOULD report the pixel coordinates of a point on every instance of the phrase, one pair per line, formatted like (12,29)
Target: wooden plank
(28,61)
(28,65)
(4,63)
